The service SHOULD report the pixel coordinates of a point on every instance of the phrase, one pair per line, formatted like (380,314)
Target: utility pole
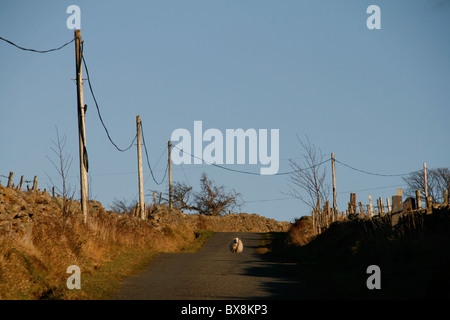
(81,126)
(140,172)
(425,178)
(170,174)
(334,184)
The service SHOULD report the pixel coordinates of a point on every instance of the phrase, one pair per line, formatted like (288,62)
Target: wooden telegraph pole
(425,178)
(334,184)
(141,178)
(170,174)
(81,126)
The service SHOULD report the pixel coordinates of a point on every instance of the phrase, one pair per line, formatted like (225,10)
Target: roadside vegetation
(413,257)
(108,248)
(42,235)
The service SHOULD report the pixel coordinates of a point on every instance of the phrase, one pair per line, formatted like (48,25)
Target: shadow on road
(214,273)
(281,278)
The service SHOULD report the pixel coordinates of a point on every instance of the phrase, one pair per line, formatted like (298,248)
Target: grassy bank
(42,235)
(106,250)
(414,256)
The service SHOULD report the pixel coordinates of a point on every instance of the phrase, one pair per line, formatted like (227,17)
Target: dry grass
(38,244)
(110,245)
(301,231)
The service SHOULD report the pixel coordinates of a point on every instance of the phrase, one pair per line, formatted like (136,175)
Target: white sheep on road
(236,245)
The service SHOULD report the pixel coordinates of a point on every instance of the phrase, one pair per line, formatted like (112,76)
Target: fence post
(313,220)
(429,204)
(145,212)
(11,174)
(361,209)
(318,216)
(326,210)
(35,183)
(21,183)
(352,206)
(418,200)
(370,207)
(388,205)
(381,206)
(425,179)
(445,194)
(334,184)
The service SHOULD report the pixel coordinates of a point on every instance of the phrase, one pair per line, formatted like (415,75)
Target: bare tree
(210,200)
(62,166)
(437,180)
(181,196)
(307,182)
(214,200)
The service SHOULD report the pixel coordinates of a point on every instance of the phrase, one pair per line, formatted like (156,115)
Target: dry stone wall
(20,209)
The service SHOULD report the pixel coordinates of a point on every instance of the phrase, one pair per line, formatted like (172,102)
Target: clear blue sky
(378,99)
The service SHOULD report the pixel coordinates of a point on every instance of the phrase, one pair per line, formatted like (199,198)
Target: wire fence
(19,186)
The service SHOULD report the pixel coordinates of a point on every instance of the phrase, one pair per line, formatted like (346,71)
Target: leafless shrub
(307,183)
(211,200)
(438,179)
(62,165)
(123,206)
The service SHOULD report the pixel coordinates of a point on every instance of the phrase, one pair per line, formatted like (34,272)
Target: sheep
(236,245)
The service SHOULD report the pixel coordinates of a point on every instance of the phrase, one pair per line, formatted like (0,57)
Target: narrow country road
(215,273)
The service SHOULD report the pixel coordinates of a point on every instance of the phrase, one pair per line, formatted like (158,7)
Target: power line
(148,162)
(162,153)
(185,174)
(34,50)
(372,173)
(99,114)
(370,189)
(248,172)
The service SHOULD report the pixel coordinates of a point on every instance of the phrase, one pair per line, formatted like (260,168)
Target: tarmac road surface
(214,273)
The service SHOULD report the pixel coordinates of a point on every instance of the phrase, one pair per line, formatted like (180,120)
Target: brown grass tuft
(301,231)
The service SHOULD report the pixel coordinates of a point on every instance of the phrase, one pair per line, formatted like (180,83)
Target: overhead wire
(298,170)
(162,153)
(184,173)
(34,50)
(372,173)
(249,172)
(370,189)
(148,162)
(98,111)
